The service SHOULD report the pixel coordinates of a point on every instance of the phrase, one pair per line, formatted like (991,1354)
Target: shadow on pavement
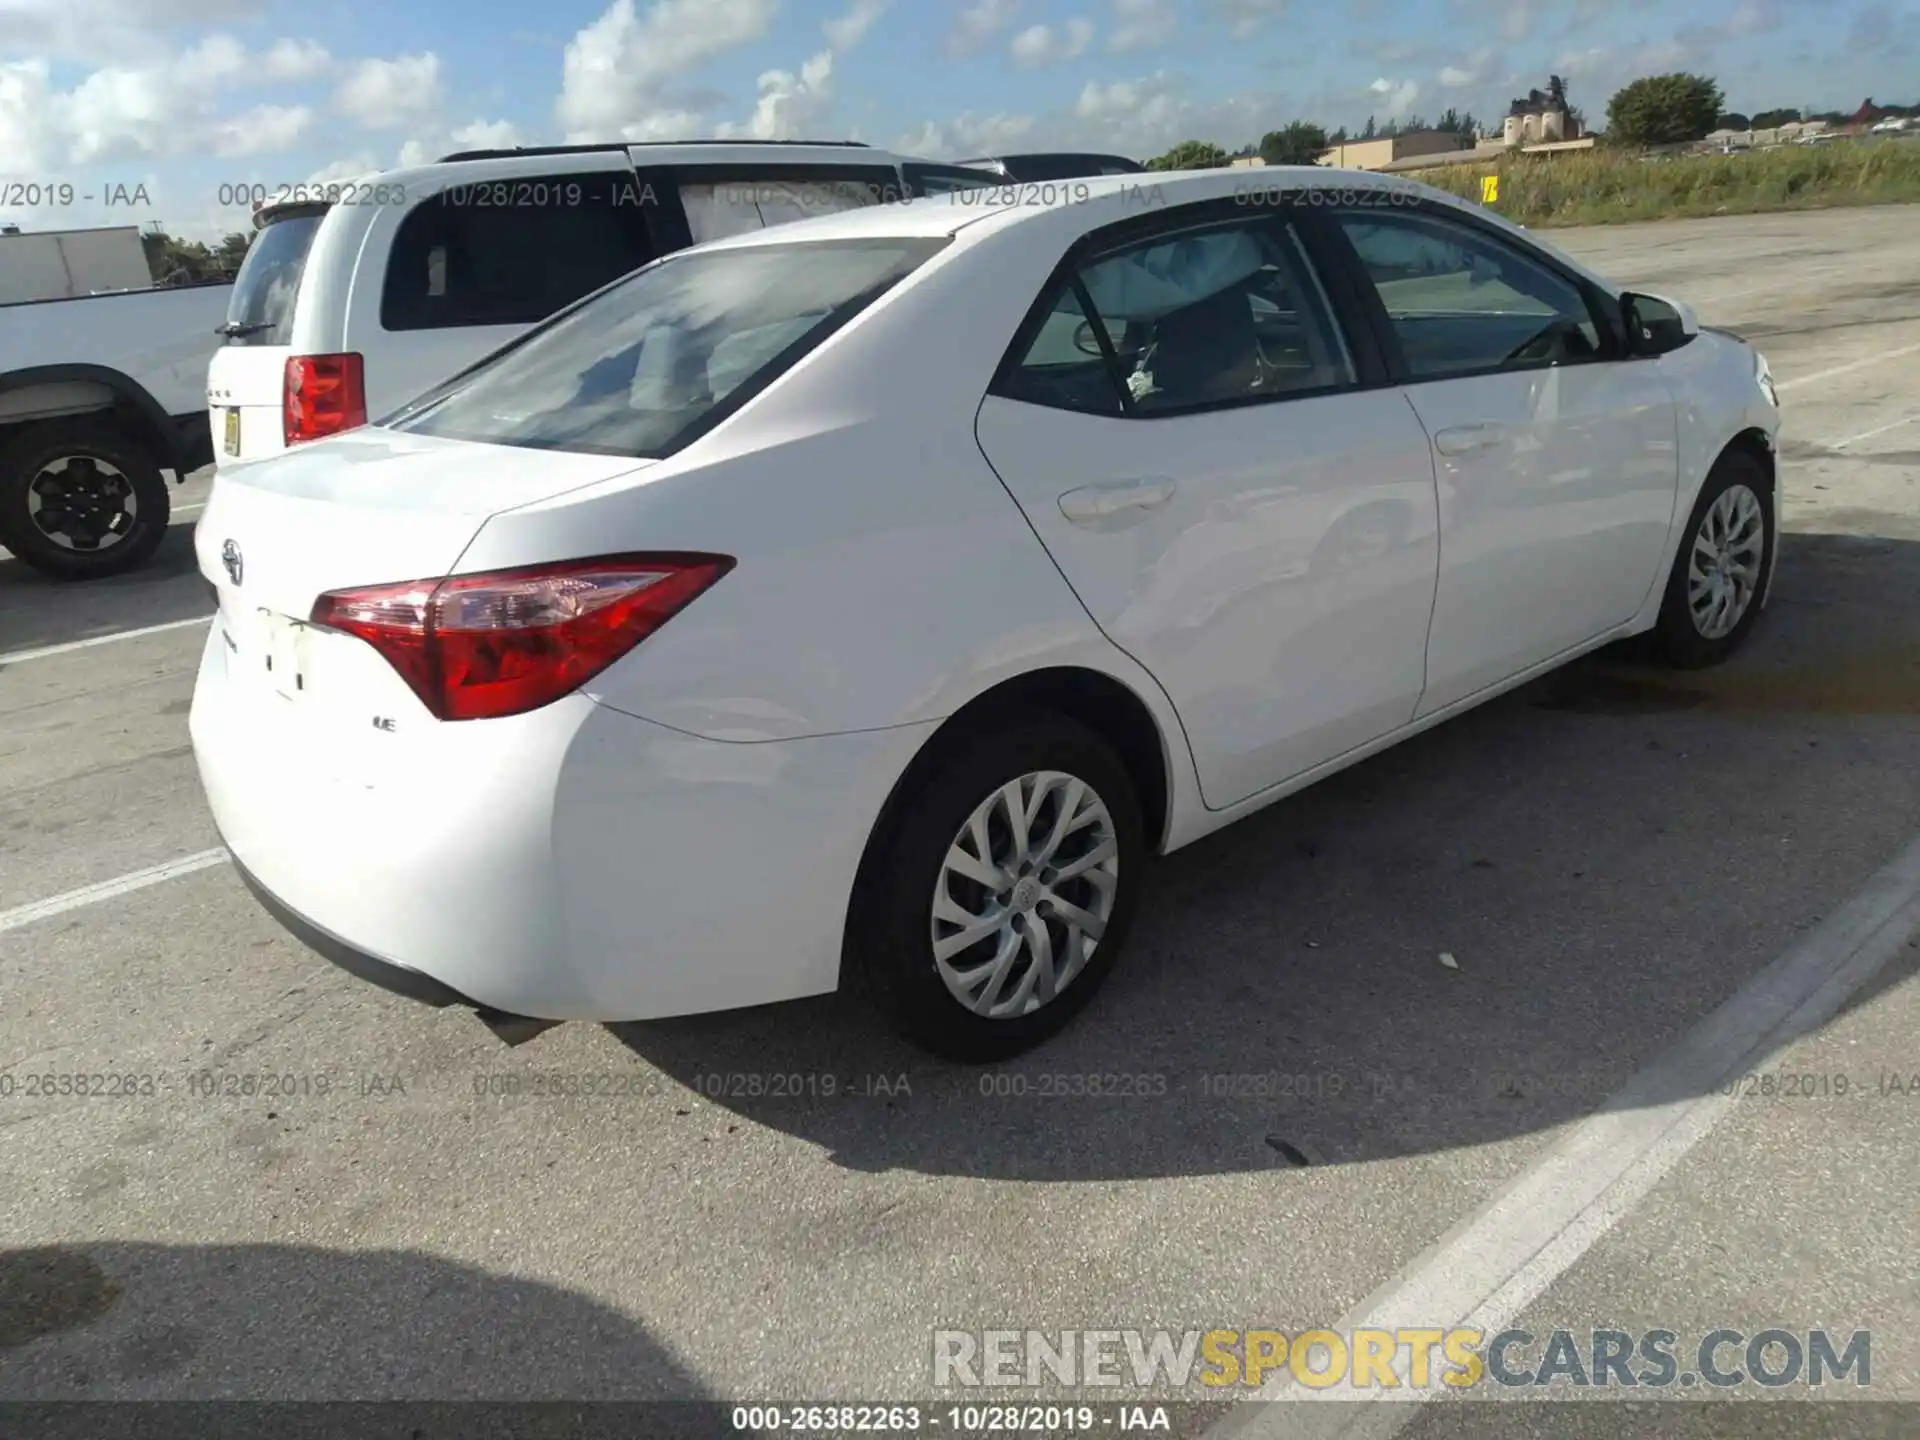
(123,1321)
(37,611)
(1607,855)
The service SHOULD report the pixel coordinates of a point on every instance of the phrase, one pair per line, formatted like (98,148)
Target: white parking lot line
(14,657)
(107,889)
(1497,1261)
(1877,430)
(1846,369)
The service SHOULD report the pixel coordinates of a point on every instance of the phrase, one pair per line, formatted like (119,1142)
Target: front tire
(81,499)
(1721,572)
(996,898)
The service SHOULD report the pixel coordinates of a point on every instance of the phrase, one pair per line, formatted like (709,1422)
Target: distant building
(1543,118)
(1245,162)
(1379,153)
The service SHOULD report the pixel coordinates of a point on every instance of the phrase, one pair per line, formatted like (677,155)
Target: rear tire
(81,499)
(1725,563)
(923,889)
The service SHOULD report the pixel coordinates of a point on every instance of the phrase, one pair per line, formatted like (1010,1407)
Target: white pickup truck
(99,396)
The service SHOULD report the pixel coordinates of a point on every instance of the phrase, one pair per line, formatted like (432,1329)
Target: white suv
(357,297)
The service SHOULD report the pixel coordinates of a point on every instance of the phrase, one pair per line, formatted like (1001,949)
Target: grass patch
(1599,187)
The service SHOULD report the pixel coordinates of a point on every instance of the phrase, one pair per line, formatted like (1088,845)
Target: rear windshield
(648,365)
(260,311)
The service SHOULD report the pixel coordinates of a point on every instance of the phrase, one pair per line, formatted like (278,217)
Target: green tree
(1664,110)
(1371,131)
(1774,119)
(1300,142)
(1733,120)
(1190,155)
(232,250)
(1461,123)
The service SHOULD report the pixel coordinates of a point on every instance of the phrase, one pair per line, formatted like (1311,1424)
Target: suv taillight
(324,394)
(477,647)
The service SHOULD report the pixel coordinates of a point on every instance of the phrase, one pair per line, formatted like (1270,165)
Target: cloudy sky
(182,97)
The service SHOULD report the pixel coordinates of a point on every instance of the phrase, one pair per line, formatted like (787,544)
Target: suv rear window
(659,360)
(511,252)
(260,310)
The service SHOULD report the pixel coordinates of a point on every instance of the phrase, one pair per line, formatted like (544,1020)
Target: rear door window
(658,360)
(1205,316)
(513,251)
(260,310)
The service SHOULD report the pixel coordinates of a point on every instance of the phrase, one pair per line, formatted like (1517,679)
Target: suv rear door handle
(1094,503)
(1465,439)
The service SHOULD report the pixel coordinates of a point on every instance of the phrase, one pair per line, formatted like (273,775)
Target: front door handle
(1465,439)
(1095,503)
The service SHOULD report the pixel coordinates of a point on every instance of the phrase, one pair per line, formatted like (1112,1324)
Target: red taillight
(476,647)
(324,395)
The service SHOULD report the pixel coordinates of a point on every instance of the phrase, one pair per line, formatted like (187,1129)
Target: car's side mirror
(1656,325)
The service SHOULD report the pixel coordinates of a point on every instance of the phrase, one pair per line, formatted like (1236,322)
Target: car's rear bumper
(398,979)
(575,863)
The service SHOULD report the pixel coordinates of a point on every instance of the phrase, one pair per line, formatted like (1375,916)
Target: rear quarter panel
(885,576)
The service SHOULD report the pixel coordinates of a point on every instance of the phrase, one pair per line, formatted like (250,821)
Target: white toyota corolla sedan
(870,600)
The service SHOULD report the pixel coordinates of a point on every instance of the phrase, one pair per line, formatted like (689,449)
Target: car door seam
(1439,561)
(1092,619)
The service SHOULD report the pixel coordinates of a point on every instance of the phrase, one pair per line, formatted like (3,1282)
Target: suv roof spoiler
(626,145)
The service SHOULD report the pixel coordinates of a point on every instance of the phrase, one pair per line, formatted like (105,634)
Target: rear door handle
(1095,503)
(1465,439)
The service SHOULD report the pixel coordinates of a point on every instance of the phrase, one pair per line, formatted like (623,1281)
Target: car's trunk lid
(368,507)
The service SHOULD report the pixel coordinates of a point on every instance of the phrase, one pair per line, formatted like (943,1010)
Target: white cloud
(1472,70)
(966,135)
(1246,18)
(353,167)
(296,59)
(843,32)
(27,140)
(426,146)
(126,33)
(790,107)
(171,105)
(614,69)
(1397,96)
(1148,102)
(263,130)
(976,25)
(1041,45)
(1577,64)
(488,135)
(1138,24)
(380,94)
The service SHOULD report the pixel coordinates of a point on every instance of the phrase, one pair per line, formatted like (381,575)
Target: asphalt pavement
(786,1203)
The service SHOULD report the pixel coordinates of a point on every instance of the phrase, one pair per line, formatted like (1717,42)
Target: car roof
(464,167)
(1106,199)
(950,213)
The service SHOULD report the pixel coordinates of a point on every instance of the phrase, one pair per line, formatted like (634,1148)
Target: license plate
(285,654)
(232,437)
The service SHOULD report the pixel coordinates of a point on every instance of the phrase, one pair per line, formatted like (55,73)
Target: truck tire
(81,499)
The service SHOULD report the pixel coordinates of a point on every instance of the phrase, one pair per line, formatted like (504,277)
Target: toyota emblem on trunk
(230,557)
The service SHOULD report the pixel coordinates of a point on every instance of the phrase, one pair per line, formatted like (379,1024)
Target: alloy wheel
(83,503)
(1723,571)
(1024,894)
